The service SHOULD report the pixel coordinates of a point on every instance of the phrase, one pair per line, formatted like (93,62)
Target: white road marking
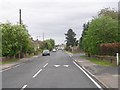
(115,75)
(12,67)
(45,65)
(81,61)
(89,76)
(66,65)
(24,87)
(37,73)
(88,72)
(56,65)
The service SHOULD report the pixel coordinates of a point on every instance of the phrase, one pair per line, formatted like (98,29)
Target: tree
(48,44)
(0,41)
(103,29)
(109,12)
(15,39)
(85,29)
(70,38)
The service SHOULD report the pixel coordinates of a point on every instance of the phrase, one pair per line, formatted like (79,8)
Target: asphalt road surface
(55,71)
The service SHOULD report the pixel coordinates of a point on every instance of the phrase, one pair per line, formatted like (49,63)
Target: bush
(109,49)
(15,40)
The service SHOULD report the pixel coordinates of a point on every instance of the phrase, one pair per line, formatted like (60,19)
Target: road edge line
(103,84)
(11,67)
(15,65)
(95,77)
(88,76)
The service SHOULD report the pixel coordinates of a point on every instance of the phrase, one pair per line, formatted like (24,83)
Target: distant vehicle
(45,53)
(54,50)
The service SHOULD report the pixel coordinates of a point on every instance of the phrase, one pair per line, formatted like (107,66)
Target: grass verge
(9,61)
(98,61)
(15,60)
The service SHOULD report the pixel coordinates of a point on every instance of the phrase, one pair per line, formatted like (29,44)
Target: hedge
(110,48)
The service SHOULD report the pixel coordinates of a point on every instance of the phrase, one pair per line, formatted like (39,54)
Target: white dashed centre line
(45,65)
(24,87)
(37,73)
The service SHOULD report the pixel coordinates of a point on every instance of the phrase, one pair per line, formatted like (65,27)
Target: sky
(53,17)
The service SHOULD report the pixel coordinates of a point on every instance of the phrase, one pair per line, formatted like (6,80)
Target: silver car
(45,53)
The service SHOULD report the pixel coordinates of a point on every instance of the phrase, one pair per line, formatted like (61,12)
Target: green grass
(98,61)
(14,60)
(9,61)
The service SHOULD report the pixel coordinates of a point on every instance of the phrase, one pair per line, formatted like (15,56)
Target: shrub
(109,48)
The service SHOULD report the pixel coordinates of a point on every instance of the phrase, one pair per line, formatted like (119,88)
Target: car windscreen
(46,51)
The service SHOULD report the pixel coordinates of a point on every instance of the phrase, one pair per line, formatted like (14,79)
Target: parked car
(45,53)
(54,50)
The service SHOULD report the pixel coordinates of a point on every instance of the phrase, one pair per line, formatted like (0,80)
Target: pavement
(107,75)
(6,66)
(55,71)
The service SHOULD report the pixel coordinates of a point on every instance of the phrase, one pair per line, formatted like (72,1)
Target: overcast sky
(53,17)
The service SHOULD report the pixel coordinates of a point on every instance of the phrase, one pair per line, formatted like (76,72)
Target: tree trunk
(89,55)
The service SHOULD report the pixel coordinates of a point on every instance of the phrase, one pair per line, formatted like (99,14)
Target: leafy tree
(48,44)
(109,12)
(103,29)
(114,14)
(85,29)
(7,39)
(70,38)
(0,41)
(15,39)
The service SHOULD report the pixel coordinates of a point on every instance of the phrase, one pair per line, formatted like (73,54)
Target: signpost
(117,55)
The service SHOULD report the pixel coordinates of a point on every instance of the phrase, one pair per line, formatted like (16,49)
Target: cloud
(53,17)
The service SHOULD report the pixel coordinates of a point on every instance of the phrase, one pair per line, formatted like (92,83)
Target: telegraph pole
(20,20)
(43,36)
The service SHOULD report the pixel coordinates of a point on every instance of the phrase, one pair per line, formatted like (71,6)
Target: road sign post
(117,55)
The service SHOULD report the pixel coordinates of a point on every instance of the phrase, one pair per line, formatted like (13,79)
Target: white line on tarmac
(66,65)
(12,67)
(88,72)
(56,65)
(24,87)
(89,76)
(37,73)
(45,65)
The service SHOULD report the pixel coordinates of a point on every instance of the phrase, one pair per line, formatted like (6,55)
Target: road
(55,71)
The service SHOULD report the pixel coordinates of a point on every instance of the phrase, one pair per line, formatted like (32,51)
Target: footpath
(107,75)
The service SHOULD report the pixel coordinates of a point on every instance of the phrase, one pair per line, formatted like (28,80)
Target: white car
(54,50)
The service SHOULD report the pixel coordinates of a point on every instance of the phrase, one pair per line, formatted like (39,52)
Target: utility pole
(20,20)
(43,36)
